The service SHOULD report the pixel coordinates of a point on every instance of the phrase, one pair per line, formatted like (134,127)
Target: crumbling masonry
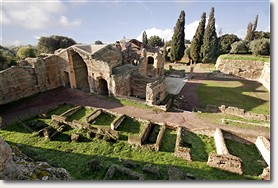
(126,68)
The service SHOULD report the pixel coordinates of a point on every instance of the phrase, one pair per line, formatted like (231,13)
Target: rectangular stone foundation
(225,162)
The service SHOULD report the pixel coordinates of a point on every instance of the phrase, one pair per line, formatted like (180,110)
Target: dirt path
(48,99)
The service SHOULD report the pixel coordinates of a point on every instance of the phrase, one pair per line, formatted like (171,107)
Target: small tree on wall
(145,38)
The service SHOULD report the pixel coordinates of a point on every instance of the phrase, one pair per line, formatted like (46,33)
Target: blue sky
(86,21)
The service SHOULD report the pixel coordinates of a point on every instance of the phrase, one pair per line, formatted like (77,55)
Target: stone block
(225,162)
(263,146)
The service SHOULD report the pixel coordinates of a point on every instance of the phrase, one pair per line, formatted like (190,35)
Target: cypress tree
(144,38)
(197,41)
(249,35)
(177,46)
(209,46)
(165,53)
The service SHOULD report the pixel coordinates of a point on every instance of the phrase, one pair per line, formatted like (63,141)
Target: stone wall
(263,146)
(40,75)
(265,76)
(181,152)
(156,91)
(223,159)
(243,68)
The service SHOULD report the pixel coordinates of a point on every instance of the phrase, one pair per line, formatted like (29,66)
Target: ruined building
(126,68)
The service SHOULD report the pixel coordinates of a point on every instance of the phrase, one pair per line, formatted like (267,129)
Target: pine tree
(197,41)
(178,47)
(209,47)
(144,38)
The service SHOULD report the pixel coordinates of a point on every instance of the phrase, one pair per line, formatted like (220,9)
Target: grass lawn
(245,57)
(81,114)
(60,109)
(74,156)
(104,120)
(249,95)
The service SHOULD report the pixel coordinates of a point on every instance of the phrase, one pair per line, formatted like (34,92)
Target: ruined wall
(156,91)
(121,84)
(265,76)
(18,82)
(242,68)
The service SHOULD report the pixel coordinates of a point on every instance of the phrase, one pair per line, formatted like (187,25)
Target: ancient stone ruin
(223,159)
(126,68)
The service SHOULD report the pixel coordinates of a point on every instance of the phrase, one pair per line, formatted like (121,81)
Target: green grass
(216,118)
(74,156)
(253,163)
(200,146)
(104,119)
(60,109)
(130,126)
(248,95)
(169,141)
(81,114)
(245,57)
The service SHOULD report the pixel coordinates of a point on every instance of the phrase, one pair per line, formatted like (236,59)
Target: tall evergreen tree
(255,23)
(250,34)
(165,53)
(145,38)
(198,39)
(251,29)
(177,45)
(209,47)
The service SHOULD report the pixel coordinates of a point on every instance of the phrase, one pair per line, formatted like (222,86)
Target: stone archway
(150,60)
(102,87)
(80,73)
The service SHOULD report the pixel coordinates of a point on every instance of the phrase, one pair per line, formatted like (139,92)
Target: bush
(54,42)
(26,51)
(260,46)
(239,47)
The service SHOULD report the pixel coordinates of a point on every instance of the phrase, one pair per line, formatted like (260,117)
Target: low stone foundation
(225,162)
(181,152)
(237,112)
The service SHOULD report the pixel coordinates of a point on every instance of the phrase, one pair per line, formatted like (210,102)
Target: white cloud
(36,15)
(190,30)
(167,34)
(164,34)
(16,43)
(65,22)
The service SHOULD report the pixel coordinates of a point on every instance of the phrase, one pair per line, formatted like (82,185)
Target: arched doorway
(80,73)
(102,87)
(150,60)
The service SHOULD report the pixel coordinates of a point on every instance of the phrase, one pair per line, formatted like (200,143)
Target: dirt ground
(44,101)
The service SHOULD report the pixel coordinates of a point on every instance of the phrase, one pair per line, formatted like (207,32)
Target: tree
(54,42)
(155,41)
(145,38)
(197,40)
(239,47)
(249,36)
(260,47)
(261,35)
(98,42)
(26,51)
(225,42)
(209,47)
(7,58)
(165,53)
(251,28)
(178,47)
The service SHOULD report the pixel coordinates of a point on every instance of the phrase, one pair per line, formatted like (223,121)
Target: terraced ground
(91,158)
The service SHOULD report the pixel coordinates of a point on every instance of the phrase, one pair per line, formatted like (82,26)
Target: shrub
(239,47)
(260,46)
(26,51)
